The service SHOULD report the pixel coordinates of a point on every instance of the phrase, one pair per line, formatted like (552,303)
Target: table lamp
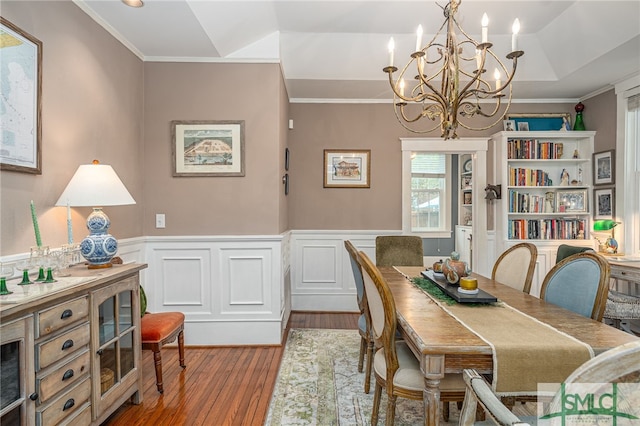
(96,185)
(610,245)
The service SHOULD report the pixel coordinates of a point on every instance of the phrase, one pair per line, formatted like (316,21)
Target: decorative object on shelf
(523,126)
(509,125)
(559,150)
(564,177)
(549,201)
(6,271)
(347,168)
(604,172)
(579,124)
(207,148)
(572,201)
(96,185)
(459,62)
(36,227)
(21,144)
(550,121)
(576,154)
(453,268)
(610,245)
(468,165)
(493,192)
(604,203)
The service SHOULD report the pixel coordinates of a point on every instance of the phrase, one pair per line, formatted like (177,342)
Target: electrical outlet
(160,220)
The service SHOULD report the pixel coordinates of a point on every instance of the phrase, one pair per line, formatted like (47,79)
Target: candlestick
(485,28)
(36,229)
(69,226)
(391,47)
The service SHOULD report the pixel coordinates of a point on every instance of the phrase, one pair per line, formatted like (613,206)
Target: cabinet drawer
(63,377)
(82,419)
(627,274)
(66,405)
(55,349)
(59,316)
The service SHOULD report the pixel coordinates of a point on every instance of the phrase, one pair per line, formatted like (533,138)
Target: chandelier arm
(499,119)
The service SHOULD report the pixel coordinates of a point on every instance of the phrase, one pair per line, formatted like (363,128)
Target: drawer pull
(67,374)
(68,344)
(68,313)
(33,396)
(70,403)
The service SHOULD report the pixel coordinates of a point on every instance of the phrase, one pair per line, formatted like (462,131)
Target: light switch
(160,220)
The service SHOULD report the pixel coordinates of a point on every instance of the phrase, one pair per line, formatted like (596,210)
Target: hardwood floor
(221,385)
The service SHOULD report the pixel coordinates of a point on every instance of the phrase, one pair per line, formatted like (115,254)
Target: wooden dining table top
(431,330)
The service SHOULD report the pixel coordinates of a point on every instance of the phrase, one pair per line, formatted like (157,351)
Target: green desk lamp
(610,245)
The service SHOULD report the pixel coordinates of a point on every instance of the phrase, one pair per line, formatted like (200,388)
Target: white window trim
(627,181)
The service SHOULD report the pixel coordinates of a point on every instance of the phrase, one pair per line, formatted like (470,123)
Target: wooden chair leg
(157,358)
(445,411)
(363,348)
(181,348)
(367,375)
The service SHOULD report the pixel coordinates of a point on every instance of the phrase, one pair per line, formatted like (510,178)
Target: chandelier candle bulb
(402,87)
(419,38)
(496,75)
(478,60)
(485,28)
(514,37)
(391,46)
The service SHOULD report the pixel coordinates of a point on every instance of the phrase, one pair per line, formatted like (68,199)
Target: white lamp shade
(95,185)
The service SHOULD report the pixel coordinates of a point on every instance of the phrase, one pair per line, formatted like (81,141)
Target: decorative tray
(451,290)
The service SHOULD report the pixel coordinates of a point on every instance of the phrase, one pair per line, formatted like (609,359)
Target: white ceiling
(336,49)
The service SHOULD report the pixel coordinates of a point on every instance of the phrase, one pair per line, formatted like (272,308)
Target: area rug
(319,384)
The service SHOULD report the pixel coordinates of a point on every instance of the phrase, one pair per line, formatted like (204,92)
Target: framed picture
(467,198)
(574,201)
(604,203)
(604,167)
(523,126)
(509,125)
(544,121)
(21,80)
(347,168)
(208,148)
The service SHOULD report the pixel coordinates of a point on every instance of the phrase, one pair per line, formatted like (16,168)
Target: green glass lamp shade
(604,225)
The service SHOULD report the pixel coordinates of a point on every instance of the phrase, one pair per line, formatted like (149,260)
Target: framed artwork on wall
(604,203)
(207,148)
(347,168)
(21,80)
(572,201)
(604,172)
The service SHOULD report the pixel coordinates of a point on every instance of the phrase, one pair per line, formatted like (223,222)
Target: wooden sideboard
(71,351)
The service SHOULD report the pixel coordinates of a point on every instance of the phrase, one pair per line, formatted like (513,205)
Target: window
(430,183)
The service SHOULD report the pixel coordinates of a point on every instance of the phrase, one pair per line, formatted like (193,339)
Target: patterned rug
(319,384)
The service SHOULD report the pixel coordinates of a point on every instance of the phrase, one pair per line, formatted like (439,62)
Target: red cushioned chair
(158,329)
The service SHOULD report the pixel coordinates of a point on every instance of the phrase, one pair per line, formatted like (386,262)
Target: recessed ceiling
(334,50)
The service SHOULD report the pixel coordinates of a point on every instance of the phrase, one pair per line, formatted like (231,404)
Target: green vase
(579,124)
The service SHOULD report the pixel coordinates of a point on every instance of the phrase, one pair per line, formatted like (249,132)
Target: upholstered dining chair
(515,266)
(366,342)
(579,283)
(158,329)
(617,365)
(399,250)
(565,250)
(395,367)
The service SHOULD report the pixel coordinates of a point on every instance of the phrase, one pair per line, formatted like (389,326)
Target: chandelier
(458,65)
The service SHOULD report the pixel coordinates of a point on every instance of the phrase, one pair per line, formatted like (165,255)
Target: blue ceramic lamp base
(99,246)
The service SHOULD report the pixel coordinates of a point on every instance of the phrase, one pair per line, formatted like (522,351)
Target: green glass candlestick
(25,278)
(579,124)
(49,278)
(3,287)
(41,276)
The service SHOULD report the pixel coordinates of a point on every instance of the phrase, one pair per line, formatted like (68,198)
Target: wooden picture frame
(207,148)
(347,168)
(572,201)
(542,121)
(604,203)
(21,142)
(604,170)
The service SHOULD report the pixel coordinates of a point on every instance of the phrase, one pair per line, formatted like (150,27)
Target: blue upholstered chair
(366,342)
(399,250)
(579,283)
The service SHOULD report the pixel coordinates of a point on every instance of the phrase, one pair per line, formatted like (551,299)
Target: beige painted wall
(214,205)
(358,126)
(600,115)
(91,109)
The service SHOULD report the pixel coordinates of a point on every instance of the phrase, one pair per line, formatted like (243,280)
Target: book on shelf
(528,177)
(533,149)
(546,229)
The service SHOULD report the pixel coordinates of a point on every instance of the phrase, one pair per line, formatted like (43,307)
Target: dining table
(445,341)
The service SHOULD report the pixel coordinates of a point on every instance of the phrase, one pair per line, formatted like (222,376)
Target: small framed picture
(604,203)
(523,126)
(467,198)
(574,201)
(604,172)
(347,168)
(509,125)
